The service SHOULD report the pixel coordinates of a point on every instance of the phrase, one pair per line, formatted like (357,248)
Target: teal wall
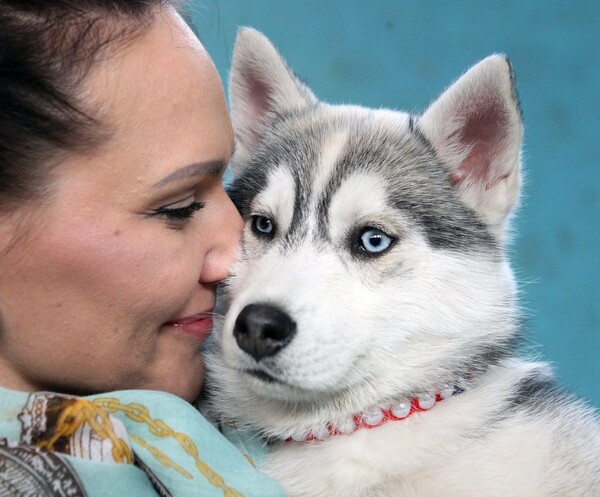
(403,53)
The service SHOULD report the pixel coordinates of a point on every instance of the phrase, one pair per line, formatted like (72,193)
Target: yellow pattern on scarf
(157,427)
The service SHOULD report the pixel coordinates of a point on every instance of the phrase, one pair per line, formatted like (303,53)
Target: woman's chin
(187,383)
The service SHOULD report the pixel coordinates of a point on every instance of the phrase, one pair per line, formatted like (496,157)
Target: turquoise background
(401,54)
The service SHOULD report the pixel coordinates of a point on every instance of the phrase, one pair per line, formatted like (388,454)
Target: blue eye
(372,241)
(263,226)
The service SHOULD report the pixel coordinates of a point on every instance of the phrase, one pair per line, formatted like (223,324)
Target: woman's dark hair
(46,49)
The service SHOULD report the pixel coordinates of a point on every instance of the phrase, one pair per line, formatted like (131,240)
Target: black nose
(262,330)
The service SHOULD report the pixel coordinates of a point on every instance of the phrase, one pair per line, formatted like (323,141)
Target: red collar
(374,418)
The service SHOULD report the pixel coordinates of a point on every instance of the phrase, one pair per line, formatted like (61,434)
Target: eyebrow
(208,168)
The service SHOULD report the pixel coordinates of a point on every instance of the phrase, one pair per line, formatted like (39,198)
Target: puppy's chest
(427,457)
(372,462)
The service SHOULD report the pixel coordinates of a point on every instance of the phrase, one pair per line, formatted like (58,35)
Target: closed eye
(179,213)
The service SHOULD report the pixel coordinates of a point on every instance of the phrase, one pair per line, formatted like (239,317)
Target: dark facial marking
(418,183)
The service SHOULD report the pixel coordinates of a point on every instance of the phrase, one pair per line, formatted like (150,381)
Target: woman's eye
(372,241)
(263,226)
(182,213)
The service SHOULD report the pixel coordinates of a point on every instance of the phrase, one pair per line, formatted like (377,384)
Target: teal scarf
(130,443)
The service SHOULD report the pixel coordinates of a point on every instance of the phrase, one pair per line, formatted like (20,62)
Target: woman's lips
(196,326)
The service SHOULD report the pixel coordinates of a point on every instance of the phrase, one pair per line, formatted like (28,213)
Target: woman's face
(102,284)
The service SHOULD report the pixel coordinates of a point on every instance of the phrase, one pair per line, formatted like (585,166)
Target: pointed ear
(261,86)
(475,128)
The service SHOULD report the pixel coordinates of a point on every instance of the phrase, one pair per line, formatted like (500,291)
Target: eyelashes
(179,213)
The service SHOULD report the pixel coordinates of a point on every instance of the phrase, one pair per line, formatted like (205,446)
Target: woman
(114,233)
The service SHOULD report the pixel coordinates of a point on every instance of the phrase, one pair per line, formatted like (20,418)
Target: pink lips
(196,326)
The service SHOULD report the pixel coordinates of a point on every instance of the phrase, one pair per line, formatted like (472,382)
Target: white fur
(277,199)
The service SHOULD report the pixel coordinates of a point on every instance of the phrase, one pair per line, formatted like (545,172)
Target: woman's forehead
(163,101)
(158,71)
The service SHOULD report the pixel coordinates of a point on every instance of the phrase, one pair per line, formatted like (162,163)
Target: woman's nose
(226,235)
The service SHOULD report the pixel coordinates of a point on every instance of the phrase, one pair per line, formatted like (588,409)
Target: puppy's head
(372,261)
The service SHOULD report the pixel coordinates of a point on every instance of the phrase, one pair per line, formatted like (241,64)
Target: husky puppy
(372,312)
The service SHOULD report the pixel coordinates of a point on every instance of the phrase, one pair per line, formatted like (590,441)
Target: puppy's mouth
(261,375)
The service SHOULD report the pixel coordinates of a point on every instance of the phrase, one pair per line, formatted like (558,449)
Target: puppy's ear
(475,128)
(261,86)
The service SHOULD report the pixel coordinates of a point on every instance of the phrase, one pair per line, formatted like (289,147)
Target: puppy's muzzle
(262,330)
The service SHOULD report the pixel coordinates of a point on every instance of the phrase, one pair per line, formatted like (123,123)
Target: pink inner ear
(259,95)
(483,133)
(258,100)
